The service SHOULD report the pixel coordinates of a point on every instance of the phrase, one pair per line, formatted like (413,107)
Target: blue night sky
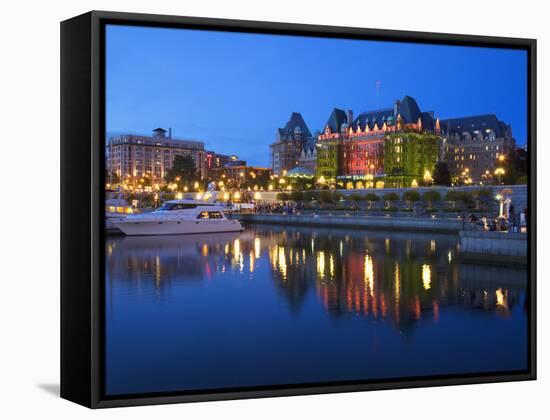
(233,90)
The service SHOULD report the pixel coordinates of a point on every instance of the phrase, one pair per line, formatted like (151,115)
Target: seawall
(447,225)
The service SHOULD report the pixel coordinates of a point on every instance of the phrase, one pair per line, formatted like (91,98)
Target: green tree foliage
(455,196)
(183,168)
(411,197)
(297,196)
(522,180)
(371,198)
(355,197)
(430,197)
(310,196)
(481,195)
(442,175)
(298,182)
(390,198)
(112,177)
(514,165)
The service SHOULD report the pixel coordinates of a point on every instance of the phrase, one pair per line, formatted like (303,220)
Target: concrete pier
(508,246)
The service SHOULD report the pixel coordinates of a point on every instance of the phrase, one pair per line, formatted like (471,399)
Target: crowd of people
(278,208)
(513,223)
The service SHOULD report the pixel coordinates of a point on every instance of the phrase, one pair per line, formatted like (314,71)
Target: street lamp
(499,172)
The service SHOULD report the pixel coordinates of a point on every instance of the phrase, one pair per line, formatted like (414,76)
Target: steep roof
(475,122)
(428,121)
(336,119)
(409,110)
(371,117)
(296,121)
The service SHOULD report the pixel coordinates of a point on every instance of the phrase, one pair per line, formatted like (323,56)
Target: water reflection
(395,276)
(285,283)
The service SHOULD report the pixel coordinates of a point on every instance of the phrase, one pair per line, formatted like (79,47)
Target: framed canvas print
(255,209)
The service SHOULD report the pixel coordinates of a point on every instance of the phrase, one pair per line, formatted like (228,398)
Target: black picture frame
(82,205)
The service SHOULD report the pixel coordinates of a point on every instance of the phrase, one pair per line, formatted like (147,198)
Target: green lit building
(410,157)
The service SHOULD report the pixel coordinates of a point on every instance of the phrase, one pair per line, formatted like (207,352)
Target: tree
(481,195)
(431,196)
(297,196)
(326,197)
(410,197)
(112,177)
(514,165)
(453,196)
(371,198)
(390,198)
(356,198)
(310,196)
(522,180)
(183,170)
(442,175)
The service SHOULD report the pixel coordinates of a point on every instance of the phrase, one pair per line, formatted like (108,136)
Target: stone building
(288,145)
(215,163)
(135,159)
(472,145)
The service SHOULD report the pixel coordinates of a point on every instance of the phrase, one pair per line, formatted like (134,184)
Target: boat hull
(177,227)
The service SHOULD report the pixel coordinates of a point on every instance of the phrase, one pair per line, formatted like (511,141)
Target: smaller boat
(180,217)
(116,209)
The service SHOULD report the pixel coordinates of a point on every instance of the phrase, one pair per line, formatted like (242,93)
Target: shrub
(521,180)
(454,196)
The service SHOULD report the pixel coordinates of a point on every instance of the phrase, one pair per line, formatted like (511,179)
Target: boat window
(177,206)
(210,215)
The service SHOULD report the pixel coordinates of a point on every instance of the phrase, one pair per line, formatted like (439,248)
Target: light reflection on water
(275,305)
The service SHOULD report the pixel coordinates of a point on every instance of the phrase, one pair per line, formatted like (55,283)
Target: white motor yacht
(177,217)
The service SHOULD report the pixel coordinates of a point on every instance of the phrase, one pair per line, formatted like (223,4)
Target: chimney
(169,132)
(350,117)
(396,108)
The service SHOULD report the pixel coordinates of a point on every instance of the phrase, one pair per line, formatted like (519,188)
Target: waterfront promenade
(506,247)
(419,224)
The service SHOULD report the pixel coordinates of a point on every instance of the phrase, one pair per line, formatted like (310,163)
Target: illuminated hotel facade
(133,157)
(399,144)
(379,143)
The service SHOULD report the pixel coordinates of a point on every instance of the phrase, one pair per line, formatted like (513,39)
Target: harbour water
(290,305)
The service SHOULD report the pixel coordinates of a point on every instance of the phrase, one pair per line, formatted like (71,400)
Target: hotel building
(377,143)
(134,157)
(399,144)
(289,143)
(472,145)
